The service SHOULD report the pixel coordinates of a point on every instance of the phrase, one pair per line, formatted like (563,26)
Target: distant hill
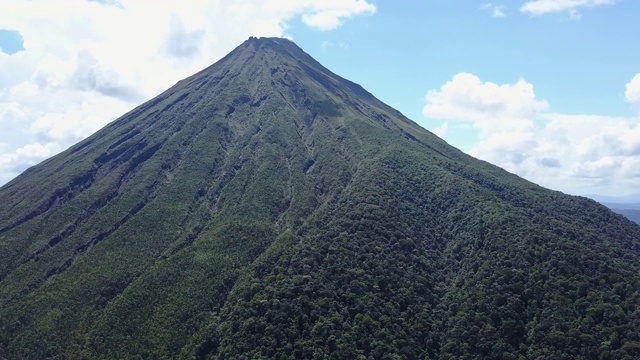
(265,207)
(630,210)
(627,199)
(632,214)
(623,206)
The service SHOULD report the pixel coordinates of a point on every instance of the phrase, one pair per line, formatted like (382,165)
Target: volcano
(265,207)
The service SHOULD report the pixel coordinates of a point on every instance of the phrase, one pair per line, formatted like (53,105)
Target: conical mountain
(268,208)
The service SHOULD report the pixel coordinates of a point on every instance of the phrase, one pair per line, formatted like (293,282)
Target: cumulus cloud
(88,62)
(14,162)
(442,130)
(331,16)
(180,42)
(488,106)
(90,76)
(632,94)
(541,7)
(517,131)
(549,162)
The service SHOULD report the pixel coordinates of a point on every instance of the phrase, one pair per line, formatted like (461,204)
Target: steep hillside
(268,208)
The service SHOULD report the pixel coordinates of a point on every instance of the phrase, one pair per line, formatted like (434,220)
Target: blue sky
(10,41)
(547,89)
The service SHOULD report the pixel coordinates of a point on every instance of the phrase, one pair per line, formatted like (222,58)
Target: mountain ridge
(267,195)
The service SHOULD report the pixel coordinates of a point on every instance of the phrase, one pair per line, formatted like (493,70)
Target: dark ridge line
(174,102)
(128,135)
(68,231)
(307,165)
(80,182)
(230,111)
(94,208)
(103,235)
(258,102)
(411,137)
(328,79)
(243,99)
(59,269)
(77,186)
(81,249)
(76,148)
(202,196)
(94,241)
(128,153)
(189,239)
(140,159)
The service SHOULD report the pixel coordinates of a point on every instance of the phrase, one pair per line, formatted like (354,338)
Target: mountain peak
(273,53)
(268,40)
(276,43)
(268,68)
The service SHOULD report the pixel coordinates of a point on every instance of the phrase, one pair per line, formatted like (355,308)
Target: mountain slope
(267,206)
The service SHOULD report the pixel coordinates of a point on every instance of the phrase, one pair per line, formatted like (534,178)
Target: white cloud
(541,7)
(181,42)
(88,62)
(14,162)
(573,153)
(495,10)
(442,130)
(632,93)
(331,16)
(326,45)
(487,105)
(498,12)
